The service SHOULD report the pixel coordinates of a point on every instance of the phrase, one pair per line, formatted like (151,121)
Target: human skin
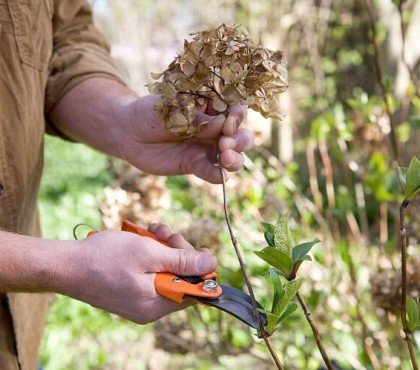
(112,270)
(116,121)
(115,270)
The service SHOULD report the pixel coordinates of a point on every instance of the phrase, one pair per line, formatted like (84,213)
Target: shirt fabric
(46,48)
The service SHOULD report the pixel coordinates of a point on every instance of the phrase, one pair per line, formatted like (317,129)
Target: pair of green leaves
(281,252)
(413,314)
(410,179)
(286,258)
(283,304)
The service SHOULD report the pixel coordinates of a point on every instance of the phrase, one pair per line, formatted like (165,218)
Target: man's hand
(153,149)
(110,117)
(112,270)
(115,271)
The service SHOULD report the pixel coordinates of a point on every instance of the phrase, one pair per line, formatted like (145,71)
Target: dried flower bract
(223,66)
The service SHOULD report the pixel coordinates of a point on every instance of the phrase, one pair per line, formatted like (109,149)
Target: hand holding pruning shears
(159,273)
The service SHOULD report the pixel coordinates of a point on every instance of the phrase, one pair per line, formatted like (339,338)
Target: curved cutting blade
(236,303)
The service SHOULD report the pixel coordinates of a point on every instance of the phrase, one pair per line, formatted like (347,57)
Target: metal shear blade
(230,300)
(236,303)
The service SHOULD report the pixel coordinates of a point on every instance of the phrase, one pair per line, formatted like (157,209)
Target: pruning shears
(204,289)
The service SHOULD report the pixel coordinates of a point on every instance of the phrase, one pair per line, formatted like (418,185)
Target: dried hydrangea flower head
(225,67)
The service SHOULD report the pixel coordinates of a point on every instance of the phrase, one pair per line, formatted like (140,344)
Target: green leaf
(272,321)
(278,288)
(291,307)
(281,273)
(268,233)
(413,314)
(276,258)
(402,174)
(297,263)
(304,258)
(302,249)
(268,227)
(412,187)
(290,289)
(269,238)
(282,235)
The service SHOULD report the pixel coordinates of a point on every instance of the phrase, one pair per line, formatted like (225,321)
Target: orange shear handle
(169,285)
(133,228)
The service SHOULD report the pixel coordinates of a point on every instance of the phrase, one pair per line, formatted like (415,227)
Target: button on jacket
(46,48)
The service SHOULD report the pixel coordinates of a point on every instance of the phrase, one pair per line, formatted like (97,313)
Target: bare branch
(315,332)
(245,273)
(403,241)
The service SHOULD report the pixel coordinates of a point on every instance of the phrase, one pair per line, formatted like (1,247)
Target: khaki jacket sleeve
(79,50)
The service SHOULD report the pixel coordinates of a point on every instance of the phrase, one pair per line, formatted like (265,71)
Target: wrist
(31,264)
(95,112)
(143,125)
(64,273)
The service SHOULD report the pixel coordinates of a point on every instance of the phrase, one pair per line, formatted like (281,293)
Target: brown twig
(245,274)
(403,240)
(403,58)
(315,332)
(379,78)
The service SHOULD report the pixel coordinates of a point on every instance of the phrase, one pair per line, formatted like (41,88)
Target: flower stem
(403,240)
(245,273)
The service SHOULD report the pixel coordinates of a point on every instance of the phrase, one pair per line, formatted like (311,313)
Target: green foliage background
(337,115)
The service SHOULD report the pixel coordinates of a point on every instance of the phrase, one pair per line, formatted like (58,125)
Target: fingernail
(230,143)
(206,263)
(220,118)
(230,126)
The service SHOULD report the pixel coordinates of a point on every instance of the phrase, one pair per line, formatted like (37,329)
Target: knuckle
(161,228)
(185,164)
(182,260)
(153,226)
(176,239)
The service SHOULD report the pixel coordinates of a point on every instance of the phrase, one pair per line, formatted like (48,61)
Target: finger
(163,232)
(200,160)
(242,140)
(163,306)
(155,306)
(237,115)
(232,161)
(178,241)
(183,262)
(205,250)
(208,171)
(153,227)
(214,127)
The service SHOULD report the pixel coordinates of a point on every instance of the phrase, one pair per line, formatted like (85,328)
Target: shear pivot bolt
(176,280)
(209,285)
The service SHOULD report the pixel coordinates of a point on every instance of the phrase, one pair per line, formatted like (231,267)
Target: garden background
(330,165)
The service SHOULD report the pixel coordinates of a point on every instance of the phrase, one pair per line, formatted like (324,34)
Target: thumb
(186,262)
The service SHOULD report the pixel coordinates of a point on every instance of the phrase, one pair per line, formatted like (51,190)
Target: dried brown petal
(168,91)
(224,66)
(156,76)
(178,122)
(219,105)
(202,73)
(232,94)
